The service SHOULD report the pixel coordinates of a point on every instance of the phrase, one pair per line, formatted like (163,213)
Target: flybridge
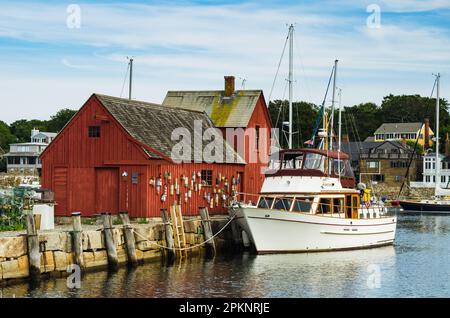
(312,162)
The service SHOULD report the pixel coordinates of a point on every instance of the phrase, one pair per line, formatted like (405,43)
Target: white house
(24,157)
(429,172)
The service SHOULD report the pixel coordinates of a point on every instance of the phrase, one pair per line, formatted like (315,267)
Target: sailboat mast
(333,101)
(436,134)
(291,79)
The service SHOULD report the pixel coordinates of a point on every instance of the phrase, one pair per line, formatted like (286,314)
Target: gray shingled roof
(398,128)
(224,112)
(152,125)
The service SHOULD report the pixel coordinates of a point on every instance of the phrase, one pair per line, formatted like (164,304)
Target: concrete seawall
(57,252)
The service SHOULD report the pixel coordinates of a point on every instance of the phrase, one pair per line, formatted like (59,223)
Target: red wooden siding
(107,189)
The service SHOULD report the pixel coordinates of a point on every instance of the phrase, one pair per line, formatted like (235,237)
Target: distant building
(387,163)
(24,157)
(405,131)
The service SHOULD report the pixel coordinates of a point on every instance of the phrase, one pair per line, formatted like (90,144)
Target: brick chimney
(229,86)
(447,145)
(426,144)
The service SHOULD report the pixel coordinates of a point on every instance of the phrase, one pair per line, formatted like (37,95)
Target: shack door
(107,190)
(60,189)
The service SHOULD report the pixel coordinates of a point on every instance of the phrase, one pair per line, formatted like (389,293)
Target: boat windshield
(314,161)
(292,161)
(342,166)
(265,202)
(282,204)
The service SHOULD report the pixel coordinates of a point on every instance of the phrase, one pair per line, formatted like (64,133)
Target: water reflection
(417,265)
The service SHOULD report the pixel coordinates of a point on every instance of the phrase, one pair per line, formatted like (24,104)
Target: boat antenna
(131,76)
(291,80)
(333,100)
(436,134)
(416,143)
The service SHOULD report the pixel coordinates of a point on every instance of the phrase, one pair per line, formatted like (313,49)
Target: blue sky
(45,66)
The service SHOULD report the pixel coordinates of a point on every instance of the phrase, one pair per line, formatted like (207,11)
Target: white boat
(306,210)
(308,201)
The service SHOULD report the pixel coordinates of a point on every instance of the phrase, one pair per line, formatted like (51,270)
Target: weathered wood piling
(111,251)
(34,255)
(129,239)
(77,242)
(207,231)
(168,231)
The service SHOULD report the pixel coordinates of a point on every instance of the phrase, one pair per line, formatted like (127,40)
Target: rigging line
(279,112)
(417,141)
(303,69)
(125,79)
(322,108)
(278,68)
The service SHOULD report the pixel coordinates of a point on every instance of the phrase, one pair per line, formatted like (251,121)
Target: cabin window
(206,177)
(313,161)
(282,204)
(265,203)
(325,205)
(302,205)
(94,131)
(338,205)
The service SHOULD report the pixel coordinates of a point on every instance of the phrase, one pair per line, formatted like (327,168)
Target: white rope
(190,247)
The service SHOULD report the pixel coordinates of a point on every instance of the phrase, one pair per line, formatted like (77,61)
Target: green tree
(304,115)
(22,128)
(360,121)
(58,121)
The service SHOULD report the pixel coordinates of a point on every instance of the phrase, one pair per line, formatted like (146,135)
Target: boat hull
(288,232)
(423,207)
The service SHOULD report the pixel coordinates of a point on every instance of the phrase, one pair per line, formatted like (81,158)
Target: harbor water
(418,265)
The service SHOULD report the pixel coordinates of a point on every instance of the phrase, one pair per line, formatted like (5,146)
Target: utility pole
(131,78)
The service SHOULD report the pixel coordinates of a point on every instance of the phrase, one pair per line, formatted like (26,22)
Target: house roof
(224,112)
(153,124)
(398,128)
(354,148)
(44,134)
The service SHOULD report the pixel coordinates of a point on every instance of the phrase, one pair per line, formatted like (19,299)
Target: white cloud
(193,46)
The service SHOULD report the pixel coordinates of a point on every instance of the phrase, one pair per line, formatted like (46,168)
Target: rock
(94,240)
(118,236)
(139,255)
(16,268)
(142,233)
(121,255)
(151,255)
(89,259)
(100,258)
(147,245)
(13,247)
(62,260)
(47,262)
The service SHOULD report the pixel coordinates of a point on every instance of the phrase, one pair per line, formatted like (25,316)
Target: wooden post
(207,231)
(77,243)
(113,261)
(129,239)
(169,234)
(34,256)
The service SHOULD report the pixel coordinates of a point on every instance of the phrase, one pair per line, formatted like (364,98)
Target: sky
(55,54)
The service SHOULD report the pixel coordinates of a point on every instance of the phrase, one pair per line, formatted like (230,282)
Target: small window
(265,203)
(94,131)
(282,204)
(302,205)
(206,176)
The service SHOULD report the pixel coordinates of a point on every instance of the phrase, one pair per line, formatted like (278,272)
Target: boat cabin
(313,162)
(345,205)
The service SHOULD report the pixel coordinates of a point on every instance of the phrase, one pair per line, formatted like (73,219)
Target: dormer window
(94,131)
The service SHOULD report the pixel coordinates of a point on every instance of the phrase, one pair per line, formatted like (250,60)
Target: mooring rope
(190,247)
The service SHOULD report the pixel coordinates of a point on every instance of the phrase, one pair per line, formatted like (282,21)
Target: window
(443,179)
(14,160)
(265,203)
(302,204)
(282,204)
(325,205)
(206,177)
(378,177)
(257,137)
(31,160)
(398,178)
(427,179)
(372,164)
(94,131)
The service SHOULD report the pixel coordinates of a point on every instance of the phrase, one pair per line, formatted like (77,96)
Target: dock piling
(129,239)
(207,231)
(168,234)
(34,256)
(111,251)
(77,243)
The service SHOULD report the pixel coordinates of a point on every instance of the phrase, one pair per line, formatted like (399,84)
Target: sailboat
(307,203)
(440,204)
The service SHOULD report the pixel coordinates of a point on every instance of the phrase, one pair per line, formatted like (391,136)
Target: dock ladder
(178,230)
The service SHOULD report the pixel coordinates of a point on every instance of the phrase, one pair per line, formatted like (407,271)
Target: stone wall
(56,247)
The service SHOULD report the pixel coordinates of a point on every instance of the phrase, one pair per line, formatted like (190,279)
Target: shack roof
(153,125)
(234,111)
